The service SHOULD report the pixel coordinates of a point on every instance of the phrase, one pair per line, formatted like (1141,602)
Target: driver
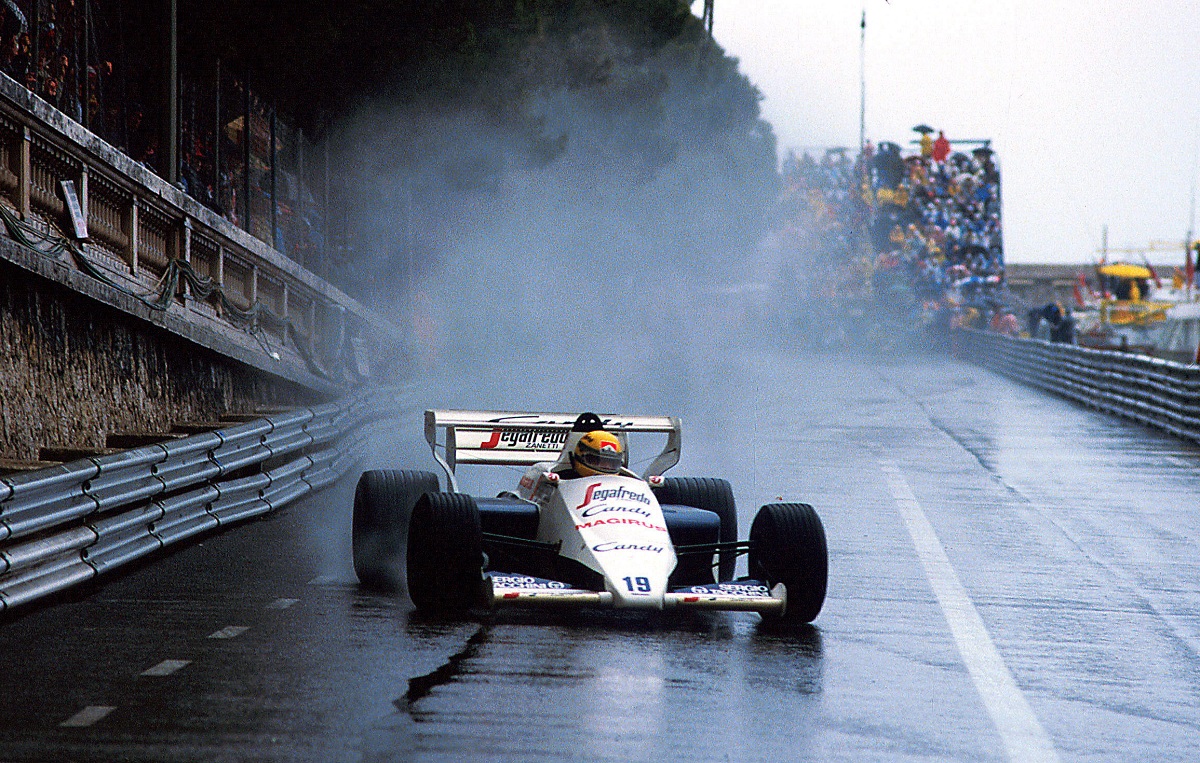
(598,452)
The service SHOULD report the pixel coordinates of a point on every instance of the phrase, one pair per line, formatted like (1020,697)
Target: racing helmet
(598,452)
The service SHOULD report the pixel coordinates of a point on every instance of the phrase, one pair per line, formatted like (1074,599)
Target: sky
(1093,107)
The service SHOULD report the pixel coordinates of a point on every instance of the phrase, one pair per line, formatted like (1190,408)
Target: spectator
(941,148)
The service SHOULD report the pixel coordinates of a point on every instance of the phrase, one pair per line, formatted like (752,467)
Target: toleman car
(581,529)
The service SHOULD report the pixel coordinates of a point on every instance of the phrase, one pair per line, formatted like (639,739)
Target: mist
(591,239)
(600,236)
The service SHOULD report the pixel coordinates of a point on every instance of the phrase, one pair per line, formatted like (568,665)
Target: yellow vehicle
(1128,283)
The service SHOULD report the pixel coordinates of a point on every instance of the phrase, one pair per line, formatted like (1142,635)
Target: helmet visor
(605,461)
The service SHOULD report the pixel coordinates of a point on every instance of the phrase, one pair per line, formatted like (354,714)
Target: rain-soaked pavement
(1012,577)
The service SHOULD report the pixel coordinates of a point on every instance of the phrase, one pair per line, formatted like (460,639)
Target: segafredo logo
(626,547)
(595,494)
(525,439)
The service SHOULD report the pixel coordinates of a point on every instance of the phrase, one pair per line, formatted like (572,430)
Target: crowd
(78,56)
(920,230)
(935,220)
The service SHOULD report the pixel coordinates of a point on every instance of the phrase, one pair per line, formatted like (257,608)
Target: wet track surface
(1012,577)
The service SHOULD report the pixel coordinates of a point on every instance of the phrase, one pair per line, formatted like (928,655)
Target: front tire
(711,494)
(383,501)
(445,553)
(787,545)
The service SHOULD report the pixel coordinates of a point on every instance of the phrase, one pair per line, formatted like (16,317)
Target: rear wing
(511,438)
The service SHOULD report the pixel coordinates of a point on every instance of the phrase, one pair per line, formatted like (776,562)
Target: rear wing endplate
(512,438)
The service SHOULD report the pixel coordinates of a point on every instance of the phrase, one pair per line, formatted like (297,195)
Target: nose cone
(633,586)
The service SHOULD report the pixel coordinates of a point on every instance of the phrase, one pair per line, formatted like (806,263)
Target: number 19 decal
(638,585)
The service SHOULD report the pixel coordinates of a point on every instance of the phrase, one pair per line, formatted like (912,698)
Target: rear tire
(714,495)
(787,545)
(445,553)
(383,501)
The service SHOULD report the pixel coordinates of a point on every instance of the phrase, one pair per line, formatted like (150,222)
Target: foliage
(454,96)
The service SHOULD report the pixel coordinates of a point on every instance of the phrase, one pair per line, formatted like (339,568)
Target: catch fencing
(1158,393)
(64,525)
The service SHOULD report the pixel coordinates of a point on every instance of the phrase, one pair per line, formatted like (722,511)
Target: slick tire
(383,502)
(714,495)
(445,553)
(787,545)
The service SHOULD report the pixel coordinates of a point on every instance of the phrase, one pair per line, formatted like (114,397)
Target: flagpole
(862,82)
(1189,271)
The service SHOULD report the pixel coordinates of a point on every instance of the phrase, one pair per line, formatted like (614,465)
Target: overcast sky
(1093,107)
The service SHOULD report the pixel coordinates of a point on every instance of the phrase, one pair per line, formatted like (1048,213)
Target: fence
(67,524)
(148,239)
(1159,393)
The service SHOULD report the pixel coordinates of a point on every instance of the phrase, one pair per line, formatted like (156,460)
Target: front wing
(524,590)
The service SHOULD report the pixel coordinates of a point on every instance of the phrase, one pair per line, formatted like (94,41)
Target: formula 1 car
(618,540)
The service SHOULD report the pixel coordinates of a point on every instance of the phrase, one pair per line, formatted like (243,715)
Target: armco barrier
(1156,392)
(64,525)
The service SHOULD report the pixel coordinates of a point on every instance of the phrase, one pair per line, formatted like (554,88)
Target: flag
(1153,272)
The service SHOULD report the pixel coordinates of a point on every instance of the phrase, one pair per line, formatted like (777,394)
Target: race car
(577,533)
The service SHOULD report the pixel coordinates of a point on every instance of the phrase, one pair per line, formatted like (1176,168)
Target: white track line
(166,667)
(282,603)
(87,716)
(1024,738)
(230,631)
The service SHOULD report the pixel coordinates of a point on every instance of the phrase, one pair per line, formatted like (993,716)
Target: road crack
(422,686)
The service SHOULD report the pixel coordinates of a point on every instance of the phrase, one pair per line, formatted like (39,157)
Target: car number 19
(638,585)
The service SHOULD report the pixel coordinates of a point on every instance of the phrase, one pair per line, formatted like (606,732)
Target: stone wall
(72,370)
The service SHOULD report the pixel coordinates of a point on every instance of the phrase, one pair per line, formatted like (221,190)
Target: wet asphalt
(1012,577)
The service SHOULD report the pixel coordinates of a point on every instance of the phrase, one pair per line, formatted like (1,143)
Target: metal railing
(1159,393)
(149,239)
(67,524)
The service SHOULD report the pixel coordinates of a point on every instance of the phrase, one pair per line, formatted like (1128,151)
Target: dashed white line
(1022,734)
(166,667)
(230,631)
(282,603)
(87,716)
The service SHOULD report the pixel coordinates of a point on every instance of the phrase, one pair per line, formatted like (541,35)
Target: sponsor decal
(627,547)
(597,494)
(526,582)
(601,509)
(750,590)
(525,439)
(620,521)
(527,482)
(533,418)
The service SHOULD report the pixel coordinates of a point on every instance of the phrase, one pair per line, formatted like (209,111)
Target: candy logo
(626,547)
(602,509)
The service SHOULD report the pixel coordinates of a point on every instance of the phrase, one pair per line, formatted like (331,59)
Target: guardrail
(153,242)
(67,524)
(1159,393)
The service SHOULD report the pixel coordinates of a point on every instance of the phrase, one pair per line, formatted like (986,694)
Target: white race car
(608,540)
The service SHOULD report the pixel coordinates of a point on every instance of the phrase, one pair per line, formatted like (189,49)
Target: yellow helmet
(598,452)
